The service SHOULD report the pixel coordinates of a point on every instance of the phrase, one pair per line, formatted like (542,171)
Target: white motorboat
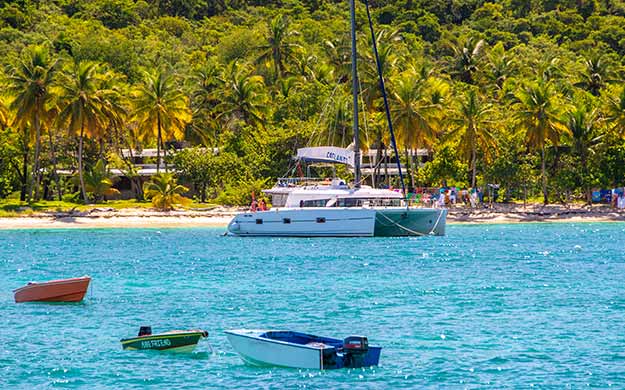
(286,348)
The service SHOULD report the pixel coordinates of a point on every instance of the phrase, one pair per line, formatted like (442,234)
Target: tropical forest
(525,94)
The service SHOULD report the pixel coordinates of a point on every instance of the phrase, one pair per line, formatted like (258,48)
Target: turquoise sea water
(499,306)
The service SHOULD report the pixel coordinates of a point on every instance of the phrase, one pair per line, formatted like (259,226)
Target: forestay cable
(388,112)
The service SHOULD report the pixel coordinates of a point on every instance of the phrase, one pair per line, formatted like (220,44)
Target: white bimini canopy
(329,154)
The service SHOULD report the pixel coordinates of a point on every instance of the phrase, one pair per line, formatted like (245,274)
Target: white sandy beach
(219,217)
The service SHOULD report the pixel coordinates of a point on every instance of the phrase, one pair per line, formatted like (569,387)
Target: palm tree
(471,124)
(597,72)
(99,181)
(113,105)
(279,47)
(500,67)
(161,109)
(165,192)
(416,110)
(30,81)
(243,96)
(338,53)
(81,107)
(615,112)
(204,98)
(387,53)
(581,123)
(539,112)
(467,58)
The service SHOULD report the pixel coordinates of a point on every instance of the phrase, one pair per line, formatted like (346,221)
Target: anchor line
(437,221)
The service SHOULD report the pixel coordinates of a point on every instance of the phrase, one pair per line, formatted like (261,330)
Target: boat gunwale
(53,283)
(162,335)
(266,339)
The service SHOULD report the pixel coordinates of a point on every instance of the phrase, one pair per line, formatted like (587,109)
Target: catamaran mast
(352,14)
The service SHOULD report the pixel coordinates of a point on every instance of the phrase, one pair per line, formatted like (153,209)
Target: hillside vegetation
(527,94)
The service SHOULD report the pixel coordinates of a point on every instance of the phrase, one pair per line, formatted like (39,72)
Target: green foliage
(504,91)
(165,192)
(445,167)
(209,172)
(98,182)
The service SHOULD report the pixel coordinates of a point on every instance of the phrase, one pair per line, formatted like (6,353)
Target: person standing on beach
(473,197)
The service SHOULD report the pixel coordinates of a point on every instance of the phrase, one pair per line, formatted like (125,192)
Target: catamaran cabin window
(314,203)
(278,200)
(259,221)
(350,202)
(286,220)
(321,220)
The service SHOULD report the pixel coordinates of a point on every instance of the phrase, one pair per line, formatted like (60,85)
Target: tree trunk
(36,174)
(135,181)
(25,193)
(101,152)
(473,166)
(544,175)
(55,174)
(158,144)
(586,186)
(80,167)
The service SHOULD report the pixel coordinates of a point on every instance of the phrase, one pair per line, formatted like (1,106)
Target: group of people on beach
(450,196)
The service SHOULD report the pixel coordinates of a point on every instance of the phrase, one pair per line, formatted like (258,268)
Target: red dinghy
(62,290)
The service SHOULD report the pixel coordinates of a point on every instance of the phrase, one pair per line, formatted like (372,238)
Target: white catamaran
(330,208)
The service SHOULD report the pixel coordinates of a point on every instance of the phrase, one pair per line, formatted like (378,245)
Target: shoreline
(221,216)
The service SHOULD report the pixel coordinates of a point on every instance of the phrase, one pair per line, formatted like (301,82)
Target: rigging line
(323,112)
(388,112)
(372,170)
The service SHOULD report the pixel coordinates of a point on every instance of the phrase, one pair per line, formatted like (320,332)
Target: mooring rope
(437,221)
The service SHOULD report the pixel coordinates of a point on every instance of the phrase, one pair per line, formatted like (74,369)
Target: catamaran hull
(340,222)
(305,222)
(398,222)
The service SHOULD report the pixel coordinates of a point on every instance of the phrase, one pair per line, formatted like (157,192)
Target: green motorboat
(172,341)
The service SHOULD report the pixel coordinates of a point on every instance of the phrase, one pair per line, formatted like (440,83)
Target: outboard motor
(145,331)
(355,349)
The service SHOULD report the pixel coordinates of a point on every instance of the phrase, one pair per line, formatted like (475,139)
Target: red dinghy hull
(63,290)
